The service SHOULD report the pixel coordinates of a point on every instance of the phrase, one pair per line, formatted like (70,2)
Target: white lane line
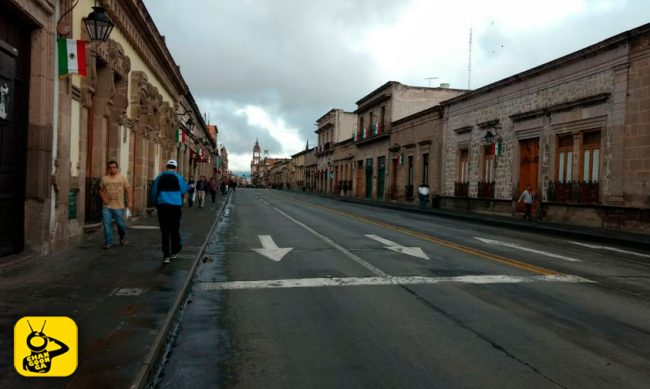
(594,246)
(413,251)
(382,281)
(519,247)
(337,246)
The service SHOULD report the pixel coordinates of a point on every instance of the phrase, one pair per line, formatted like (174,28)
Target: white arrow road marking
(271,250)
(593,246)
(378,281)
(519,247)
(413,251)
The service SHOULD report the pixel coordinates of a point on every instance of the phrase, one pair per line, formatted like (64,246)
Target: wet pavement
(120,300)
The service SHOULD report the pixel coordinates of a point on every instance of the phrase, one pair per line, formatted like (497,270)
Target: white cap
(172,162)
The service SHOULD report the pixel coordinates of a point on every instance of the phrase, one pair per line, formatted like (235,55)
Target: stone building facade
(577,129)
(377,112)
(415,154)
(128,108)
(332,128)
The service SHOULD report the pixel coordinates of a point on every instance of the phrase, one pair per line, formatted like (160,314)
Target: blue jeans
(423,201)
(108,214)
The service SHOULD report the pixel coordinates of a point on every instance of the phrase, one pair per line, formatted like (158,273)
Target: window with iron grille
(565,158)
(590,156)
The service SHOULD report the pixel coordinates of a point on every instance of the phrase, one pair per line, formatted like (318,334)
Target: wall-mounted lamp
(189,124)
(491,138)
(98,24)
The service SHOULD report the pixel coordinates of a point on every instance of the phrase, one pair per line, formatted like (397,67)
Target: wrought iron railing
(93,213)
(575,192)
(486,190)
(461,189)
(408,192)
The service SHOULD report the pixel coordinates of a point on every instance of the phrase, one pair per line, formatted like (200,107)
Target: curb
(631,240)
(153,355)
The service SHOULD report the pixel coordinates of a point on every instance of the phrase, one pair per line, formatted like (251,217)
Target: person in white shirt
(527,197)
(423,191)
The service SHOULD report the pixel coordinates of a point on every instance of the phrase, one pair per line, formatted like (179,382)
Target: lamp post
(98,24)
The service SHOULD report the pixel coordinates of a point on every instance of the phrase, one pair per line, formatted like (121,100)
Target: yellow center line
(465,249)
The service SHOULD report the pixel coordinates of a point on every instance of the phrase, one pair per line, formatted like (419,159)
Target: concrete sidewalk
(122,300)
(592,234)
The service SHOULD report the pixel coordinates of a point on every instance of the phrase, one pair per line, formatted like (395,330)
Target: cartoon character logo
(37,354)
(40,359)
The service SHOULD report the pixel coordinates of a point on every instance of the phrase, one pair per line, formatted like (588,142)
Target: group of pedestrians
(167,193)
(197,190)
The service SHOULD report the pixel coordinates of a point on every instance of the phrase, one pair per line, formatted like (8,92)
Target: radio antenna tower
(469,61)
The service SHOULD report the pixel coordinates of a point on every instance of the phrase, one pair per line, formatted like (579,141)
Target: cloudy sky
(268,69)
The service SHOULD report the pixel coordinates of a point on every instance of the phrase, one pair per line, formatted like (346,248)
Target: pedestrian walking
(191,186)
(213,189)
(223,188)
(423,192)
(112,189)
(201,187)
(167,195)
(527,197)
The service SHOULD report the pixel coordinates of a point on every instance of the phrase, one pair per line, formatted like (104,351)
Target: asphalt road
(375,298)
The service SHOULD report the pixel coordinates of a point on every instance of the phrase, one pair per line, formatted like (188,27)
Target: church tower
(256,153)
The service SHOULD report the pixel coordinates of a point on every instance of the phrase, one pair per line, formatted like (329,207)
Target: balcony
(573,192)
(461,189)
(370,137)
(486,190)
(325,148)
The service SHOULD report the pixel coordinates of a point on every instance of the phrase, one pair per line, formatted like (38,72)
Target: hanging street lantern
(98,24)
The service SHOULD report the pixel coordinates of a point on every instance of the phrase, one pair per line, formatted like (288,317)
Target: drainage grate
(127,292)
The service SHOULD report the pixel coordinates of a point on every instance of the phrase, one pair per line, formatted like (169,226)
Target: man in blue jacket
(167,195)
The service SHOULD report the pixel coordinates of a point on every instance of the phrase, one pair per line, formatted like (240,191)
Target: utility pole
(469,61)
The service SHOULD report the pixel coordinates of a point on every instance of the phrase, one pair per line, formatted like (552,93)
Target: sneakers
(123,241)
(167,260)
(174,255)
(106,246)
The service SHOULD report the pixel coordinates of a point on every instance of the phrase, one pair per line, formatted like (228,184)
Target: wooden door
(12,149)
(369,178)
(381,177)
(393,179)
(360,180)
(528,168)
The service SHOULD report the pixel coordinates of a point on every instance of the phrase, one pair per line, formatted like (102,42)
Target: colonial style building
(377,112)
(300,174)
(415,151)
(133,107)
(333,127)
(577,129)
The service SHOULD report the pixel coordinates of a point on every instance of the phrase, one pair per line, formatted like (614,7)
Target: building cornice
(134,21)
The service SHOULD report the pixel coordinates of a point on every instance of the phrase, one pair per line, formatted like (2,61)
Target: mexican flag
(375,129)
(497,149)
(364,133)
(72,56)
(180,135)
